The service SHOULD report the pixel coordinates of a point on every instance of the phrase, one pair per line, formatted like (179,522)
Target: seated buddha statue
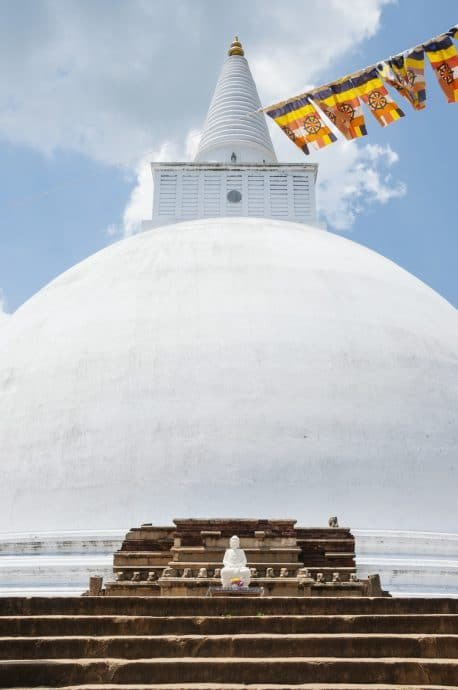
(234,564)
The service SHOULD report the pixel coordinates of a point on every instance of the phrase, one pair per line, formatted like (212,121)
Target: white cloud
(3,313)
(131,83)
(114,81)
(303,46)
(139,205)
(354,178)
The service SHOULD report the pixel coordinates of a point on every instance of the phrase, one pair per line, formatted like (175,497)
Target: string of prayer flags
(372,92)
(406,73)
(302,123)
(443,57)
(340,103)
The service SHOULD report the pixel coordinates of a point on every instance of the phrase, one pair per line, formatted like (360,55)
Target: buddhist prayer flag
(300,120)
(340,103)
(406,73)
(369,87)
(444,59)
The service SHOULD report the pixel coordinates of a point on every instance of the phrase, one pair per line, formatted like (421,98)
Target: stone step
(313,533)
(204,606)
(222,646)
(179,566)
(257,686)
(53,626)
(423,672)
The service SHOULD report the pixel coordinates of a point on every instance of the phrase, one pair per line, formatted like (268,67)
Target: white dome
(230,367)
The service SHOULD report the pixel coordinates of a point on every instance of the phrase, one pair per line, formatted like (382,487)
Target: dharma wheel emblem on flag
(445,72)
(347,109)
(312,124)
(330,115)
(377,100)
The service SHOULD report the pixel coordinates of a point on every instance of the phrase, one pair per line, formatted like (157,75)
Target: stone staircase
(227,643)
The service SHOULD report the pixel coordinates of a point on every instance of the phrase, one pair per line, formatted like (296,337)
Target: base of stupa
(410,563)
(185,559)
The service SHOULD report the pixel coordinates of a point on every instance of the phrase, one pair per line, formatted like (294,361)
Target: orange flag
(369,87)
(444,60)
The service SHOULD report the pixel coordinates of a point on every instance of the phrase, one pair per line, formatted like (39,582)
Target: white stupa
(235,172)
(232,366)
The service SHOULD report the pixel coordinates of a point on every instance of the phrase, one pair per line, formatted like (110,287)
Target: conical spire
(231,132)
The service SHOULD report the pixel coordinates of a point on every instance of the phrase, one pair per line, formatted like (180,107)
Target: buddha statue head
(234,542)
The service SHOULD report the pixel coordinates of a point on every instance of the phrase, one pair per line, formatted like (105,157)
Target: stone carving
(136,577)
(217,573)
(374,587)
(320,577)
(120,575)
(202,573)
(152,576)
(336,577)
(284,572)
(235,564)
(187,572)
(353,577)
(333,522)
(95,586)
(270,572)
(168,572)
(253,572)
(303,574)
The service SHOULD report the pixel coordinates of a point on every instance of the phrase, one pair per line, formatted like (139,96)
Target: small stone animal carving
(284,572)
(320,577)
(217,573)
(303,573)
(168,572)
(270,572)
(353,577)
(152,576)
(136,577)
(333,522)
(202,573)
(254,572)
(187,572)
(120,575)
(336,577)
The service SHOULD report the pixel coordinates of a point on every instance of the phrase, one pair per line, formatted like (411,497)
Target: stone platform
(160,643)
(245,592)
(285,560)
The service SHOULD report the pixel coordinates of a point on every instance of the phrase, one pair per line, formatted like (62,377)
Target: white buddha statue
(235,564)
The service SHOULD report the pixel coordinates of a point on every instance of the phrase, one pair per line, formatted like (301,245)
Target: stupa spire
(236,48)
(233,132)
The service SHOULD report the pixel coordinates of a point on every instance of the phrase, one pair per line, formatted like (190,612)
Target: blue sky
(93,90)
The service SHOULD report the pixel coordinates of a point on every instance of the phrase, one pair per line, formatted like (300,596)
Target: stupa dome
(221,367)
